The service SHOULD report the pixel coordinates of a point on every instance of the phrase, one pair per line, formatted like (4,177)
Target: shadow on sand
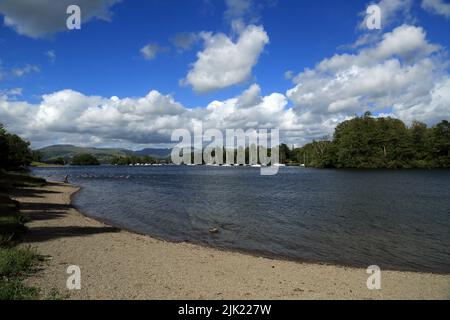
(46,211)
(31,192)
(40,234)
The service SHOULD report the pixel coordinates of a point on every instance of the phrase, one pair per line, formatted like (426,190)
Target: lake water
(398,220)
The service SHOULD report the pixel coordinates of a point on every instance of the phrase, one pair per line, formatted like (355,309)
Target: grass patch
(14,289)
(15,263)
(54,294)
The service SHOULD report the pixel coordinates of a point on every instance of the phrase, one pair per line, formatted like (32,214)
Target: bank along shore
(117,264)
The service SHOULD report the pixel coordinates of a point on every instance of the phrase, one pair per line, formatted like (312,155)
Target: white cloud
(431,110)
(51,54)
(288,75)
(68,116)
(225,62)
(437,7)
(403,75)
(397,74)
(20,72)
(184,41)
(151,50)
(13,92)
(39,18)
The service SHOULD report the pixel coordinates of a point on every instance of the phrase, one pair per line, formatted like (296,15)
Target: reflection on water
(394,219)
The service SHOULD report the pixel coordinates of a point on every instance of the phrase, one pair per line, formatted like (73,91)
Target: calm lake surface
(398,220)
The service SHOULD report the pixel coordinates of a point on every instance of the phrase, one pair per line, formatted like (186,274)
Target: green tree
(85,159)
(440,145)
(36,155)
(284,153)
(19,153)
(420,143)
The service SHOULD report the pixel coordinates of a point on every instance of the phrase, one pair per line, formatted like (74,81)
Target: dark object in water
(66,179)
(214,231)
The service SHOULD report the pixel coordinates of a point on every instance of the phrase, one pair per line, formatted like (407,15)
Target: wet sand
(117,264)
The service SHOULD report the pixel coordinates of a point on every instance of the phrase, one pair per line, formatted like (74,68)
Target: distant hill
(104,155)
(155,153)
(67,152)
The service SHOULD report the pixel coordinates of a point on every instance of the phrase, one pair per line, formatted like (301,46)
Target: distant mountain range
(67,152)
(154,152)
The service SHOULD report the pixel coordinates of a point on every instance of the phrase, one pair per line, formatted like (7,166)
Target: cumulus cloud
(402,75)
(228,60)
(437,7)
(432,109)
(73,117)
(225,62)
(39,18)
(151,50)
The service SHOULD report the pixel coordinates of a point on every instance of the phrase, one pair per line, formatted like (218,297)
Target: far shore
(45,165)
(118,264)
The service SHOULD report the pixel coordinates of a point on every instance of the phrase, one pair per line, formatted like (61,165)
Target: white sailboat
(279,165)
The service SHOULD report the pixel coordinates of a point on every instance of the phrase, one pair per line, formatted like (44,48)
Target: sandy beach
(117,264)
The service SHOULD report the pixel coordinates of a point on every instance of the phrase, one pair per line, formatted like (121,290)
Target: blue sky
(105,59)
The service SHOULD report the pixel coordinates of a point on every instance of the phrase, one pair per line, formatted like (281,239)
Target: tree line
(369,142)
(362,142)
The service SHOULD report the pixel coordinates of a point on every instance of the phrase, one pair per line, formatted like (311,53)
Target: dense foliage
(85,159)
(14,152)
(368,142)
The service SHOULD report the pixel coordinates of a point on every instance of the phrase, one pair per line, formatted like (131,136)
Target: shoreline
(121,264)
(255,254)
